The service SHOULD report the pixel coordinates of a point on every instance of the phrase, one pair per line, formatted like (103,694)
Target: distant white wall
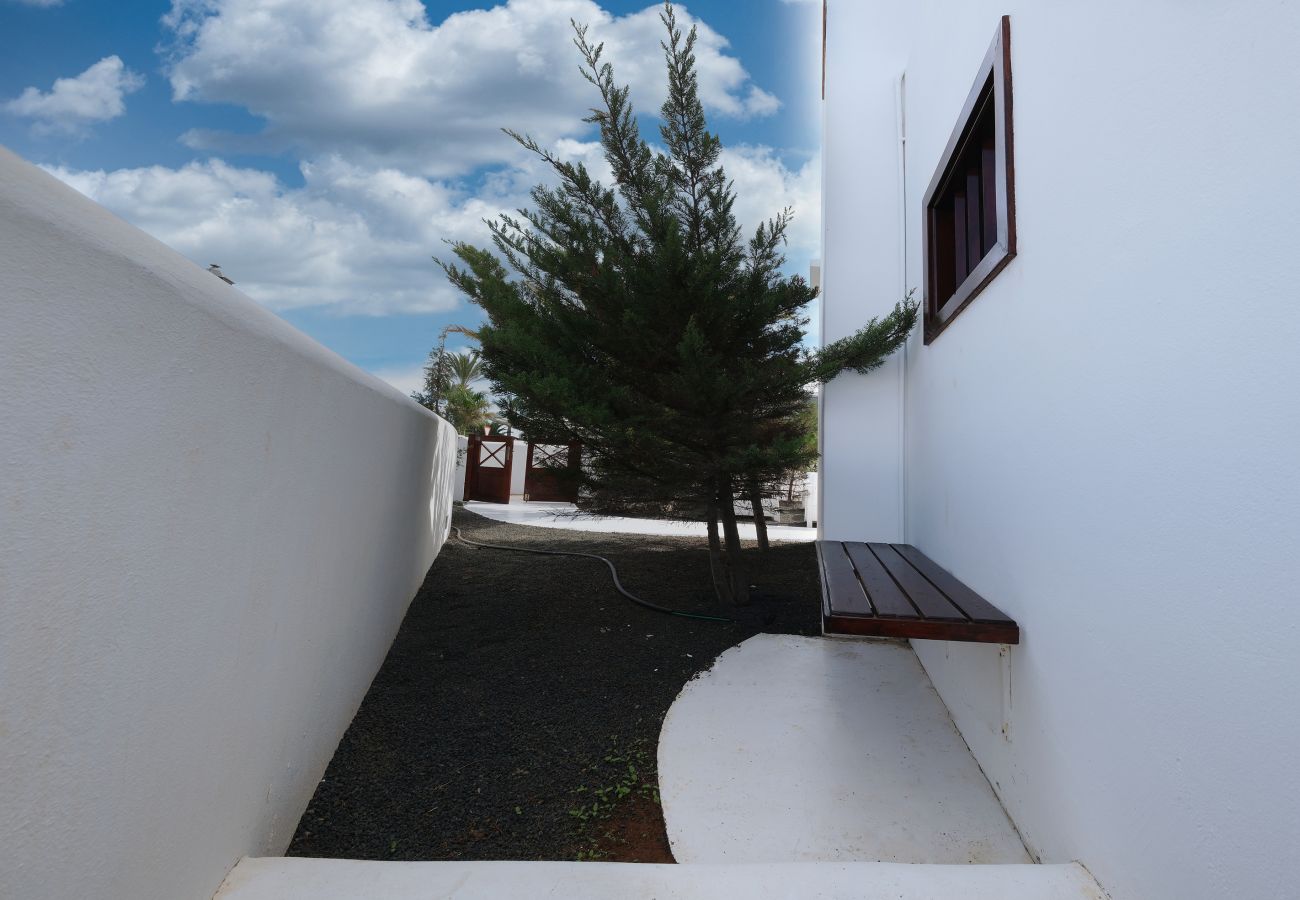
(210,529)
(458,481)
(811,499)
(1105,442)
(518,468)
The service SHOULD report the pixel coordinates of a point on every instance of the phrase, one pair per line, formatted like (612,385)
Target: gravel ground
(517,713)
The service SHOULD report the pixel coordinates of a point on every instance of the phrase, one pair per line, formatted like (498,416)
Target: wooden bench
(894,590)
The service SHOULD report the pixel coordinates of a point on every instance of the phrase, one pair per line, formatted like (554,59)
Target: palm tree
(507,409)
(466,368)
(438,370)
(468,410)
(461,329)
(448,391)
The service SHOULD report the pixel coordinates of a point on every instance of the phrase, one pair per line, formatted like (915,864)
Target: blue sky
(322,150)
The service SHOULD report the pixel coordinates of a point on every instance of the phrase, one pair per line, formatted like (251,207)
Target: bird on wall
(216,270)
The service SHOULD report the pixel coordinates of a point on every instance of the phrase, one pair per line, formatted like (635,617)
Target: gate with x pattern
(488,460)
(552,472)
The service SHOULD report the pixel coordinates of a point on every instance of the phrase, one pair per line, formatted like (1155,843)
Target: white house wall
(860,424)
(1104,442)
(210,529)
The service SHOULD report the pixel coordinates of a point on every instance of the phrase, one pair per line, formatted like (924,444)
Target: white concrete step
(341,879)
(793,749)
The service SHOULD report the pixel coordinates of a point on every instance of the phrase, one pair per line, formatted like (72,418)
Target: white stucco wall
(862,453)
(462,462)
(210,529)
(1104,442)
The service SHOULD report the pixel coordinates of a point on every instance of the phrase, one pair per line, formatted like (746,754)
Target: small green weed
(624,771)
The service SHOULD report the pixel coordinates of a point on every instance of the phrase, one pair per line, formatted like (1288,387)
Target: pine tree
(437,376)
(633,317)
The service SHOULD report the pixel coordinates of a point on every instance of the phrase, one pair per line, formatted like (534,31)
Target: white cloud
(374,81)
(352,239)
(407,379)
(389,113)
(96,95)
(359,240)
(765,186)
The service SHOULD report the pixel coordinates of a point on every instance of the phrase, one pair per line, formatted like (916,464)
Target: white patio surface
(339,879)
(792,749)
(795,768)
(566,515)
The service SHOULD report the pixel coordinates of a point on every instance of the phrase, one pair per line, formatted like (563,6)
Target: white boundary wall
(1105,442)
(210,529)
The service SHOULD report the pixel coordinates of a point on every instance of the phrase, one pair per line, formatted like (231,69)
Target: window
(970,207)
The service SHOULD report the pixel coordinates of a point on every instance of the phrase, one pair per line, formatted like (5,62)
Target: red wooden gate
(552,472)
(487,467)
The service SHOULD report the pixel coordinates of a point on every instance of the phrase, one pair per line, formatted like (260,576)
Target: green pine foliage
(636,318)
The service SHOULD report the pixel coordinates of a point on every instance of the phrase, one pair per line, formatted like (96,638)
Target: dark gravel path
(520,686)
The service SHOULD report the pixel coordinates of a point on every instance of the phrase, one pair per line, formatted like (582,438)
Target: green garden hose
(618,585)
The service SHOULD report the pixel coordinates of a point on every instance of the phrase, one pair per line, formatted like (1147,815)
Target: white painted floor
(566,515)
(784,771)
(338,879)
(793,749)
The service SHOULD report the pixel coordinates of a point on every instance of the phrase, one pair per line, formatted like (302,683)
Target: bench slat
(842,585)
(885,596)
(925,596)
(972,604)
(924,629)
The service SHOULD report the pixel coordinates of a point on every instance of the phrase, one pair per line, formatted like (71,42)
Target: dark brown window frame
(997,67)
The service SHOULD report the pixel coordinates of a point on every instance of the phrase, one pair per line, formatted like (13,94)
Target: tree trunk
(717,567)
(736,571)
(760,522)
